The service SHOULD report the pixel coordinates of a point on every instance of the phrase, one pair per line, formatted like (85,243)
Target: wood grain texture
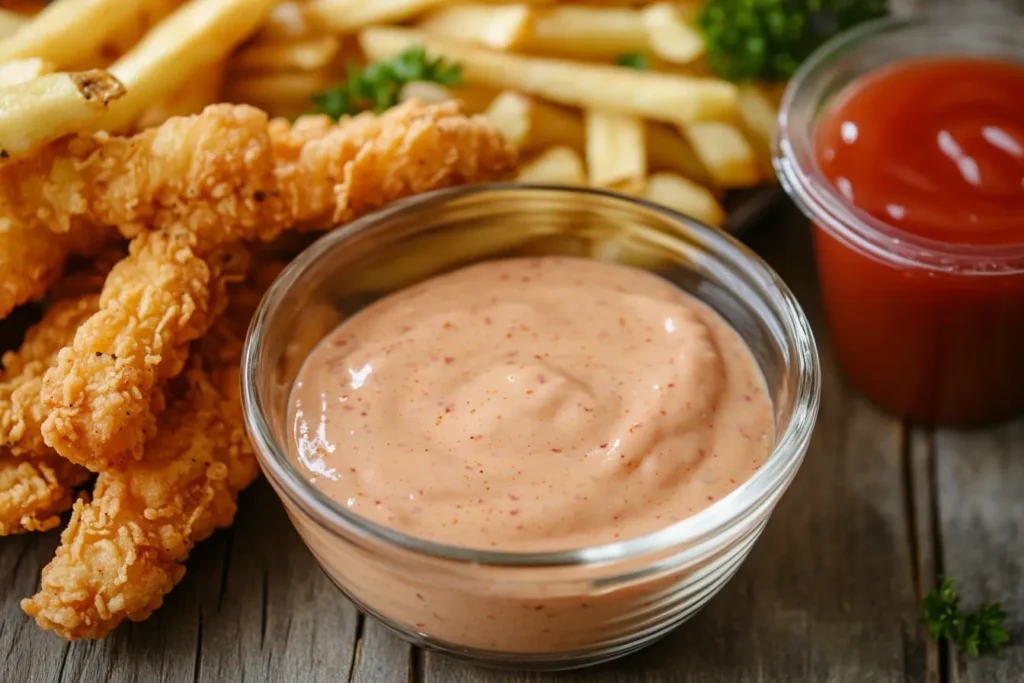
(919,477)
(253,606)
(980,482)
(382,656)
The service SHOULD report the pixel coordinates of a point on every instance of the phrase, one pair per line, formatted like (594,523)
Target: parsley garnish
(377,86)
(976,633)
(633,60)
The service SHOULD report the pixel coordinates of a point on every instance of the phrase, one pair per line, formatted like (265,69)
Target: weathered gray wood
(922,510)
(254,606)
(980,480)
(276,615)
(382,656)
(25,653)
(828,593)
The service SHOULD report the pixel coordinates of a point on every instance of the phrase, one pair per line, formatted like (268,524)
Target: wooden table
(829,593)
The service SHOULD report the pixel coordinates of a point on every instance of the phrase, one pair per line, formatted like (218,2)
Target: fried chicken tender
(35,483)
(34,492)
(21,411)
(123,551)
(104,391)
(32,258)
(229,174)
(219,177)
(87,275)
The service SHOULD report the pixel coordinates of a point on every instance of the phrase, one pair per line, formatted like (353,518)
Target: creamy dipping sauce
(531,404)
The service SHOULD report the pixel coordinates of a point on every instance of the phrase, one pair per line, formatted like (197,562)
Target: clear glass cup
(529,610)
(929,330)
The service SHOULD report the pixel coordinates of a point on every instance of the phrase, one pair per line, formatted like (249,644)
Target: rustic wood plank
(254,606)
(382,656)
(160,649)
(980,479)
(920,481)
(276,615)
(828,593)
(27,654)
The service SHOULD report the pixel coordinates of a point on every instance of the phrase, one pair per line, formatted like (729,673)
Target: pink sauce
(532,404)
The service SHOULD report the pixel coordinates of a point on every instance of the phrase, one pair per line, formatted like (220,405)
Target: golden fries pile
(559,79)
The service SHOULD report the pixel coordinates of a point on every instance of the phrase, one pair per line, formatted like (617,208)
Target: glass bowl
(929,330)
(545,610)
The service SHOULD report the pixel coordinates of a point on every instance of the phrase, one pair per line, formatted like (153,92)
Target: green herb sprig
(767,40)
(376,87)
(633,60)
(976,633)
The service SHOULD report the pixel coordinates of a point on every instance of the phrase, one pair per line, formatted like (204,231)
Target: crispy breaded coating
(340,173)
(32,258)
(35,483)
(235,185)
(35,491)
(21,410)
(229,174)
(87,275)
(149,179)
(123,551)
(104,391)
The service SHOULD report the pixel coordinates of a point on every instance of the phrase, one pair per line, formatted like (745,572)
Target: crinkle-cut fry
(22,411)
(228,174)
(123,551)
(104,391)
(34,492)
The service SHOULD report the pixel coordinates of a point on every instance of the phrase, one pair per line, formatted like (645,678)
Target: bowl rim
(955,33)
(698,531)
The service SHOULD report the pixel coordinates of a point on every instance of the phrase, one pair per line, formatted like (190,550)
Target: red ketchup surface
(934,148)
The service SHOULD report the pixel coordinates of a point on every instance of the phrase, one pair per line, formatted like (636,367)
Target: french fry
(341,16)
(276,90)
(668,150)
(686,197)
(532,124)
(199,33)
(501,27)
(662,97)
(509,113)
(151,13)
(202,90)
(475,99)
(725,153)
(303,55)
(24,70)
(757,113)
(68,31)
(286,21)
(10,22)
(671,33)
(557,166)
(616,151)
(425,91)
(44,109)
(587,31)
(758,116)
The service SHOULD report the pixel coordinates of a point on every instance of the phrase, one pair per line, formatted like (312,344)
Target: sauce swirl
(532,404)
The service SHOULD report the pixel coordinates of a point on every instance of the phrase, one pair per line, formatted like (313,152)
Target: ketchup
(934,149)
